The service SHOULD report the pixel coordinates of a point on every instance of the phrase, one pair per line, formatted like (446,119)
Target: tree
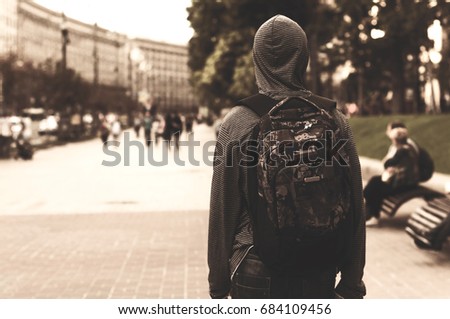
(220,52)
(26,85)
(68,89)
(382,40)
(385,61)
(443,14)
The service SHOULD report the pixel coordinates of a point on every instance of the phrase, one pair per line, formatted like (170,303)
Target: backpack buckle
(312,179)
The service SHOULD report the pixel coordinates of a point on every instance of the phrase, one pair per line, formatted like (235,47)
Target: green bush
(430,131)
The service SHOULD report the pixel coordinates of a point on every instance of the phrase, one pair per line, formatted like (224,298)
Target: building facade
(8,27)
(150,71)
(46,38)
(160,73)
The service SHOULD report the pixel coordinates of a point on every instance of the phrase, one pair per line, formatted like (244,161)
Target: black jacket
(230,235)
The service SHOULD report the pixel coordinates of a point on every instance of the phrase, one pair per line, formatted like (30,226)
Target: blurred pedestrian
(189,123)
(159,131)
(176,129)
(20,146)
(5,137)
(167,133)
(137,123)
(148,123)
(116,129)
(104,130)
(401,172)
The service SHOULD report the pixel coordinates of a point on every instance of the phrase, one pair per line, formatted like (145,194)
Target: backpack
(426,165)
(299,197)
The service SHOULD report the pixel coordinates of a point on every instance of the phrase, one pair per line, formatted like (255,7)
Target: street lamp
(65,41)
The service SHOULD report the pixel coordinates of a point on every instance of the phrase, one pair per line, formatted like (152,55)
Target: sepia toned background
(71,227)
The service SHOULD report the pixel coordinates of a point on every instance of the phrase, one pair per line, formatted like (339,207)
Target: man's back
(280,56)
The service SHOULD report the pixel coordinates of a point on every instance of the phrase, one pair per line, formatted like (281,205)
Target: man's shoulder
(324,102)
(240,120)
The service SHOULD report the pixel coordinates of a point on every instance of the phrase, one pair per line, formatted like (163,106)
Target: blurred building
(161,74)
(8,27)
(8,36)
(98,55)
(51,41)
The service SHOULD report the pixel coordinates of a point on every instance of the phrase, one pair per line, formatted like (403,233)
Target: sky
(160,20)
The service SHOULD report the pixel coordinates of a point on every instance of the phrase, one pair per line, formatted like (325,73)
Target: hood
(280,56)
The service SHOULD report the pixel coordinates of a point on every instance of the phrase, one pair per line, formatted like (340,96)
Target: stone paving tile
(103,255)
(163,255)
(396,268)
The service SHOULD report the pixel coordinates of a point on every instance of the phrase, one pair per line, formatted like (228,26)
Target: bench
(429,225)
(392,203)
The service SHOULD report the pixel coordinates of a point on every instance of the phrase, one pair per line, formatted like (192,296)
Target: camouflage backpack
(298,183)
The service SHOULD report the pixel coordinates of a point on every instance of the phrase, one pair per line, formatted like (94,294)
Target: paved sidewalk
(71,228)
(163,255)
(155,255)
(395,267)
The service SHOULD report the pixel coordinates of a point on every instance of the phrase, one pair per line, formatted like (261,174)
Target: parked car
(48,125)
(35,116)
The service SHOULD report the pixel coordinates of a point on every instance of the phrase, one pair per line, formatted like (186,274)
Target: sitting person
(401,172)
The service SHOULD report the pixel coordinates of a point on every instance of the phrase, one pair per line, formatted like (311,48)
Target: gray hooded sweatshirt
(280,55)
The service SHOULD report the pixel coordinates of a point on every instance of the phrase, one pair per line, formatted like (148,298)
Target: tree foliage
(384,62)
(26,85)
(220,50)
(221,60)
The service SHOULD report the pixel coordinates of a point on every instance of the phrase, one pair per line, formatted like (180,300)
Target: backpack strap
(261,104)
(327,104)
(258,103)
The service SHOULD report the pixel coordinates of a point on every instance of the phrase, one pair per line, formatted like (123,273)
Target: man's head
(280,55)
(397,132)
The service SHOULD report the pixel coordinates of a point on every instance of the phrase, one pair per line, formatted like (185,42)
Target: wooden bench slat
(429,216)
(425,221)
(444,200)
(389,202)
(434,211)
(415,235)
(418,227)
(440,205)
(392,203)
(388,210)
(386,206)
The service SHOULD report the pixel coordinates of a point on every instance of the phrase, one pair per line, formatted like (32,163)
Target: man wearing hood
(280,55)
